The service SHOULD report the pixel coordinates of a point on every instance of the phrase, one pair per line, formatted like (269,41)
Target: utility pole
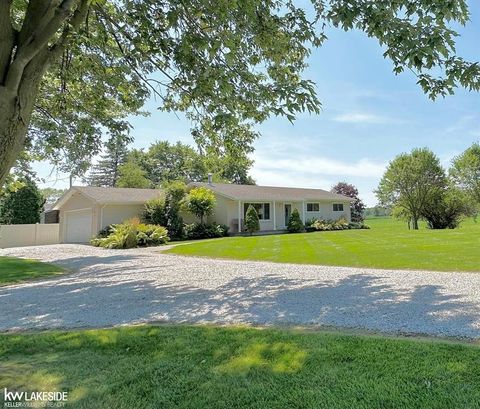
(71,180)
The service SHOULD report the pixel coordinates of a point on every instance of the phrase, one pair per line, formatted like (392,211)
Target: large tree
(70,69)
(411,184)
(106,171)
(465,172)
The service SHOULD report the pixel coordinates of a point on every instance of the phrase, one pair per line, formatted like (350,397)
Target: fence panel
(19,235)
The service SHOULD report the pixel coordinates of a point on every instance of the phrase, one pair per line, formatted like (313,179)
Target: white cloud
(358,118)
(322,166)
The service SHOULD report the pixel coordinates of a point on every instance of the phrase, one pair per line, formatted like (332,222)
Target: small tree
(132,175)
(22,203)
(357,207)
(252,223)
(200,202)
(295,224)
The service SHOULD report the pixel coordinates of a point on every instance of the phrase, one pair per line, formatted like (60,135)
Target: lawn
(388,244)
(15,270)
(217,367)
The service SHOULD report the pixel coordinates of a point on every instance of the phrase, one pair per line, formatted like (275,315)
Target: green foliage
(200,202)
(465,172)
(252,223)
(166,212)
(410,184)
(295,224)
(21,203)
(447,209)
(132,233)
(51,195)
(106,171)
(197,231)
(228,65)
(131,175)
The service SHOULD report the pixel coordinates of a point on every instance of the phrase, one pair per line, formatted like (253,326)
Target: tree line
(416,187)
(164,162)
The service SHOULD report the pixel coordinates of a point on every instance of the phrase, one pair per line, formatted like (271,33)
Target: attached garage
(84,210)
(78,226)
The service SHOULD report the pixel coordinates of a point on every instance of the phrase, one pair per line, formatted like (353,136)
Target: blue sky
(369,116)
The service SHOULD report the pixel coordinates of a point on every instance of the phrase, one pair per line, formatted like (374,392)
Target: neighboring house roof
(111,195)
(255,192)
(48,206)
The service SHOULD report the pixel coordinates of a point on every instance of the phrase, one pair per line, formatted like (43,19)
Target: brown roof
(111,195)
(254,192)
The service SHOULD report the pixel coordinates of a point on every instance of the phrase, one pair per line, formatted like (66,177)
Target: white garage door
(78,226)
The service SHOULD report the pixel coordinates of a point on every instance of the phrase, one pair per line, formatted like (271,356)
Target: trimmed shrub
(129,234)
(196,231)
(295,224)
(252,223)
(329,225)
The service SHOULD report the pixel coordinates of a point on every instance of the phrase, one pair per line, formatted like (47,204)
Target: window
(263,210)
(338,207)
(313,207)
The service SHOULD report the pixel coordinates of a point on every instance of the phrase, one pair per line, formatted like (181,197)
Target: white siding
(114,214)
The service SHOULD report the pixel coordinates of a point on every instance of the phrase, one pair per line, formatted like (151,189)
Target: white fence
(18,235)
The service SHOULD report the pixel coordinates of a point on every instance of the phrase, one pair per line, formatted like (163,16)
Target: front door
(288,212)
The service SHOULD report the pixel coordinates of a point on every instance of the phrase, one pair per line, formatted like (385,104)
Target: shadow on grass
(194,367)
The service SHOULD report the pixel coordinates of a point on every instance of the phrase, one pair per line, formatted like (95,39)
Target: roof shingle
(255,192)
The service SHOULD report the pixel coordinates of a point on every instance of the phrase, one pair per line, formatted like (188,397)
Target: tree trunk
(16,112)
(415,223)
(13,132)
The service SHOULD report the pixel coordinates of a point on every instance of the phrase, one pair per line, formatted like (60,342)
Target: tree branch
(37,42)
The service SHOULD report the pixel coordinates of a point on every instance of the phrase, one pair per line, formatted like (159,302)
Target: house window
(263,210)
(313,207)
(338,207)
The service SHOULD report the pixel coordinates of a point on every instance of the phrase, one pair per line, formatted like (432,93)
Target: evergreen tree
(106,171)
(21,203)
(252,223)
(295,224)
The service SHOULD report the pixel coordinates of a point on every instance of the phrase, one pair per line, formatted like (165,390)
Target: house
(84,210)
(274,205)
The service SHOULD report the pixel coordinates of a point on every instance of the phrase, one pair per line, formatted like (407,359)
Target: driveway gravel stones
(118,287)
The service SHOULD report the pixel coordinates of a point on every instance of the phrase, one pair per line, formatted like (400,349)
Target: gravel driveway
(114,287)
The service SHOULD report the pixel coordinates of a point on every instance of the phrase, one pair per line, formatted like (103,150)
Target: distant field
(388,244)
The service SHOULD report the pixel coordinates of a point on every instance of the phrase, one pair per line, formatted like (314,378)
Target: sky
(369,115)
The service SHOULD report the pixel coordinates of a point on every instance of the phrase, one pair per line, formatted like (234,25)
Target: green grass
(16,270)
(388,244)
(216,367)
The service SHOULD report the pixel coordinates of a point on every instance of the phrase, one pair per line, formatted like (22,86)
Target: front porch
(273,215)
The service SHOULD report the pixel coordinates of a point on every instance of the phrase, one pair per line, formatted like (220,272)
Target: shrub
(166,212)
(295,224)
(197,231)
(129,234)
(328,225)
(252,223)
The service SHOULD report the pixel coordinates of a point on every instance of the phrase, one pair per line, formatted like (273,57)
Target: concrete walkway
(114,287)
